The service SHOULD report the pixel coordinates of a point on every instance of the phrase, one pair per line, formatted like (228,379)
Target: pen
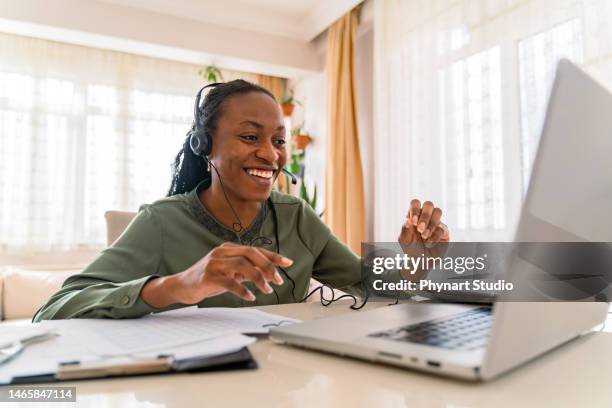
(13,350)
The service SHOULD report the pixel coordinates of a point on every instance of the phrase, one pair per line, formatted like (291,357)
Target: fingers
(436,235)
(241,269)
(425,221)
(272,256)
(261,258)
(434,221)
(415,211)
(275,258)
(237,289)
(407,234)
(426,212)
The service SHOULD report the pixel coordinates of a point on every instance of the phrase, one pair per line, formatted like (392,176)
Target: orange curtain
(275,85)
(344,197)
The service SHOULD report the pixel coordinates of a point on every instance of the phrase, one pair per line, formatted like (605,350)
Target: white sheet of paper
(13,333)
(212,347)
(44,357)
(163,330)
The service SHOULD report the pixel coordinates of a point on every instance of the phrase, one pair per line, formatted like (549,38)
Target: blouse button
(125,300)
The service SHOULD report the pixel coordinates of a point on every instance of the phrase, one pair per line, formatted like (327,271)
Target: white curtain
(82,131)
(461,88)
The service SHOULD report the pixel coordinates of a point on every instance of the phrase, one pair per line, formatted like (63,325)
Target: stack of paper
(184,333)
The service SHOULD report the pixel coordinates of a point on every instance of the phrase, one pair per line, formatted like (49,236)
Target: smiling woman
(223,236)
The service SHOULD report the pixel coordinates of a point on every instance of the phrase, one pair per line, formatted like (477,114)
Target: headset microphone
(291,175)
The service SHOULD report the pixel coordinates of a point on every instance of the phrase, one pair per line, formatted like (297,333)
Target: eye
(249,138)
(280,142)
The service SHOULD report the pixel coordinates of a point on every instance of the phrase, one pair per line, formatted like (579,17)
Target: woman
(204,243)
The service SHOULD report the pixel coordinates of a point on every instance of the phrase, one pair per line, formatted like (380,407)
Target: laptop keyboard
(465,331)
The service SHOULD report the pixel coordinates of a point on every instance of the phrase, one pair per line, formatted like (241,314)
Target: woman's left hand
(424,224)
(423,233)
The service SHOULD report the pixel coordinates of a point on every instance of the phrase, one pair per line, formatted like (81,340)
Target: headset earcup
(199,142)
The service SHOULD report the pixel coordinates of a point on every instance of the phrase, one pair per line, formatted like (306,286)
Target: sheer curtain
(461,88)
(82,131)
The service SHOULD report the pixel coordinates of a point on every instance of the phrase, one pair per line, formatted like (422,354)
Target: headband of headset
(199,140)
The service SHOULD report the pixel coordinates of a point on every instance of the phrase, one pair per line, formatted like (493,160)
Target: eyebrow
(259,125)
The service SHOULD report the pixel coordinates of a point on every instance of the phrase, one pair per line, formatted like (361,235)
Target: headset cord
(238,227)
(238,224)
(320,288)
(265,242)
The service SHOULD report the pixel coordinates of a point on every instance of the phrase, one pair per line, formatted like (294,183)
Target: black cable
(267,241)
(324,302)
(239,223)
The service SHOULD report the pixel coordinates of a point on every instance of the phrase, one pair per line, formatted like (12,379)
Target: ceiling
(272,37)
(297,19)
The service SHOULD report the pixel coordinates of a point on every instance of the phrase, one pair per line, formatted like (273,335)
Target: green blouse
(172,234)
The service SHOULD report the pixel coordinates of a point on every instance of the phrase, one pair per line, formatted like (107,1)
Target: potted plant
(211,74)
(288,103)
(301,138)
(306,197)
(296,165)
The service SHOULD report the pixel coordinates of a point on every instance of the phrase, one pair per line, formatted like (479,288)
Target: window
(471,139)
(78,139)
(461,91)
(538,57)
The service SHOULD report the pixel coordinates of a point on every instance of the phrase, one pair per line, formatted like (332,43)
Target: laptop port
(390,355)
(433,364)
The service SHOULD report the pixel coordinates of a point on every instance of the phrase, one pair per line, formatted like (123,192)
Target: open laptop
(480,343)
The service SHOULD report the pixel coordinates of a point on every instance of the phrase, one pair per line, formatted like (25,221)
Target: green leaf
(304,192)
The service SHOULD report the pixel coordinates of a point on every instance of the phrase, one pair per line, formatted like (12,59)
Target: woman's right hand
(222,270)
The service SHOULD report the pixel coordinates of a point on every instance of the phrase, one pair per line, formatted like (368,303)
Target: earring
(207,164)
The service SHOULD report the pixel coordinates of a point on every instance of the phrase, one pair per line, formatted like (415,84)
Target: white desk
(578,374)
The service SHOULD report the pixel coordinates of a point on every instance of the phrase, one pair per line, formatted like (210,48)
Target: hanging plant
(288,103)
(300,137)
(211,74)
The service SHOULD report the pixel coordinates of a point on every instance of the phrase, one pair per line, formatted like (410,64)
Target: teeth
(267,174)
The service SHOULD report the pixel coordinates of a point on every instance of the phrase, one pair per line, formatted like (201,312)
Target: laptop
(476,342)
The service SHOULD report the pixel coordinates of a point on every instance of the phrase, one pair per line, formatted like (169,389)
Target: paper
(163,330)
(44,357)
(11,334)
(212,347)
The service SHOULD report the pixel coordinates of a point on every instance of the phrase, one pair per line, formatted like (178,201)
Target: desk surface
(577,374)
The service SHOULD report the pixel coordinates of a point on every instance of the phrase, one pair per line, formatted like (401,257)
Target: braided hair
(189,169)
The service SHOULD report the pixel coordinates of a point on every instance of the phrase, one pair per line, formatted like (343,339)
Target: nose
(267,152)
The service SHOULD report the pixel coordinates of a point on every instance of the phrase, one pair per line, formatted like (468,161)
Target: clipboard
(128,367)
